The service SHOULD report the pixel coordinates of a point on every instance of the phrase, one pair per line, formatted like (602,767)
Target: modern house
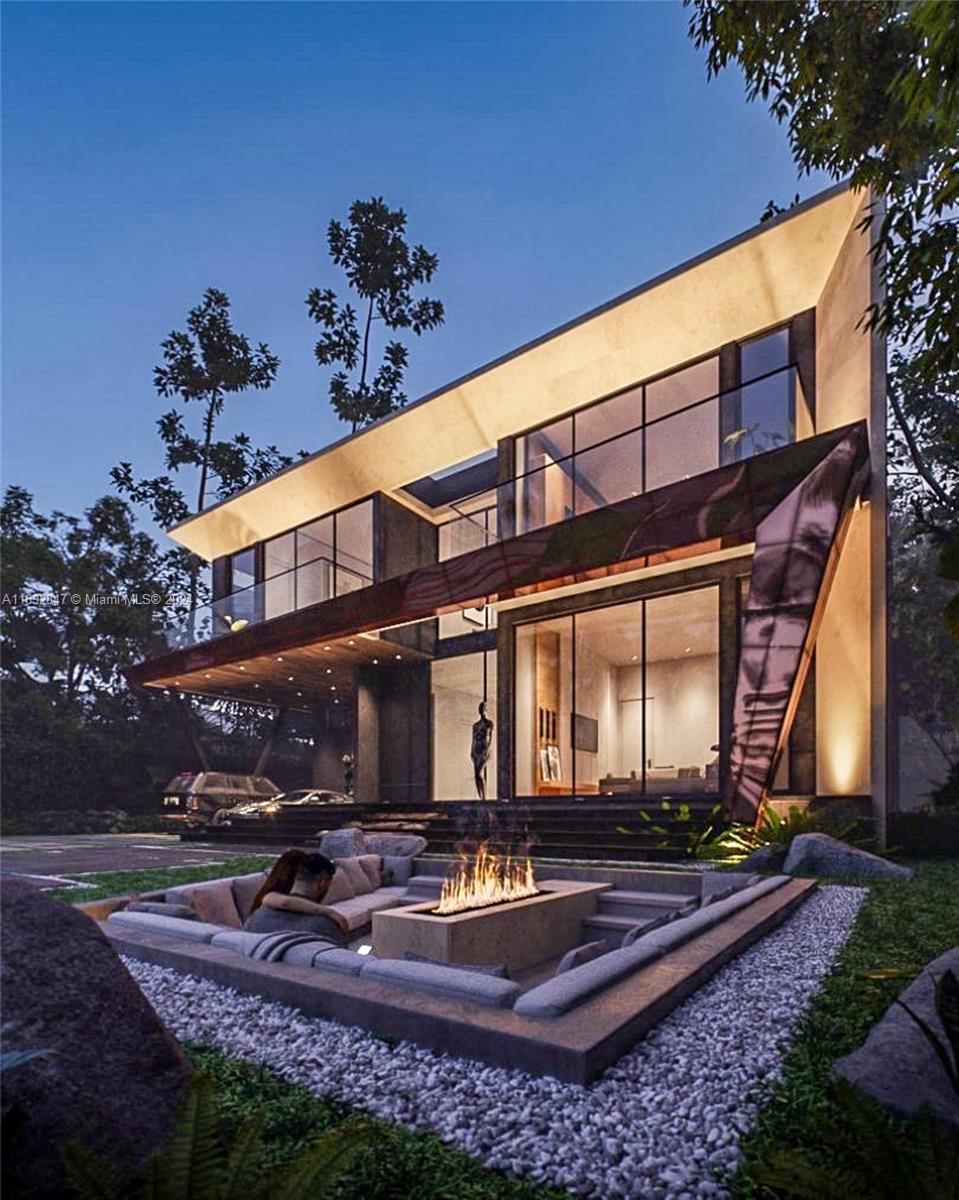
(652,542)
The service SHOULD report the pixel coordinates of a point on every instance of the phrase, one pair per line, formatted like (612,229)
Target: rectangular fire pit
(518,933)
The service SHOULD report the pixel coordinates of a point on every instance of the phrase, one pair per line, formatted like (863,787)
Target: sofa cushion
(581,954)
(344,843)
(245,889)
(211,901)
(358,911)
(346,962)
(359,879)
(563,992)
(398,845)
(239,941)
(664,918)
(371,866)
(190,931)
(341,888)
(496,969)
(182,911)
(448,982)
(703,919)
(397,868)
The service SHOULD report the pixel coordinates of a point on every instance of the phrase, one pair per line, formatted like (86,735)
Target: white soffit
(753,282)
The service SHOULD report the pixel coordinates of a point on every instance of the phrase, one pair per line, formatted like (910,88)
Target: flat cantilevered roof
(753,281)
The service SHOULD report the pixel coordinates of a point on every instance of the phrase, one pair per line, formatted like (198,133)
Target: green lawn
(901,927)
(121,883)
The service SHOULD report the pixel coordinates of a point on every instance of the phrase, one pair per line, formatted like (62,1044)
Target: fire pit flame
(486,879)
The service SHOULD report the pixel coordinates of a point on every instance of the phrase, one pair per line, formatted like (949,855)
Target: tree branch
(916,454)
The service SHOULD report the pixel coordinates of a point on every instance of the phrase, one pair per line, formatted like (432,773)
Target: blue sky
(552,155)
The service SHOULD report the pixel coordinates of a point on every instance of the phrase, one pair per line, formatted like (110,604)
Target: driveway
(45,860)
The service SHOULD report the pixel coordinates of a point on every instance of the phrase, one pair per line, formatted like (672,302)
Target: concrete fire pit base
(517,934)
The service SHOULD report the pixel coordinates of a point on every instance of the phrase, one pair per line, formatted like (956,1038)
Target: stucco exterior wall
(851,648)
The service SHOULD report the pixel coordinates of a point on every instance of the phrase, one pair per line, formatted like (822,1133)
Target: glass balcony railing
(727,427)
(309,584)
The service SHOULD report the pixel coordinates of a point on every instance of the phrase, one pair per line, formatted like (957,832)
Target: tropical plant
(735,842)
(382,269)
(881,1160)
(197,1164)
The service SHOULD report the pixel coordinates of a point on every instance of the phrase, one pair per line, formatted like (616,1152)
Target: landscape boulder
(820,854)
(896,1066)
(768,859)
(111,1075)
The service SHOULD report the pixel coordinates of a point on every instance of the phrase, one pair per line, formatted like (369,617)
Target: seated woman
(291,898)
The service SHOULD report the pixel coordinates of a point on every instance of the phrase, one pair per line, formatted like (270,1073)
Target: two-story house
(652,542)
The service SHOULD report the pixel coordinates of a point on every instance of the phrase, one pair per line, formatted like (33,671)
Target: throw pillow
(214,903)
(371,865)
(343,843)
(407,845)
(359,880)
(340,888)
(581,954)
(245,889)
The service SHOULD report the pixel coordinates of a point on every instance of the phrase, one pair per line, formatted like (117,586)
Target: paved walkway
(46,860)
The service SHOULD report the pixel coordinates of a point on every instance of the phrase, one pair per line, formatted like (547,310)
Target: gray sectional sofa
(220,906)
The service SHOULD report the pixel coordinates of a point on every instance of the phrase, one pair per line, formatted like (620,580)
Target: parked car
(255,809)
(194,798)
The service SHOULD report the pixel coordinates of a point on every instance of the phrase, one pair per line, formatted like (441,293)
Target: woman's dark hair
(284,871)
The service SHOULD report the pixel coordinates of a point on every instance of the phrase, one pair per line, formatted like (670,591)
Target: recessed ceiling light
(635,658)
(687,650)
(336,701)
(208,675)
(299,693)
(333,687)
(375,661)
(242,668)
(279,658)
(329,670)
(399,657)
(290,678)
(351,642)
(327,647)
(176,683)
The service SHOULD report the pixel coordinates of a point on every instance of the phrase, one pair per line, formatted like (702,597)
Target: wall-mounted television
(585,734)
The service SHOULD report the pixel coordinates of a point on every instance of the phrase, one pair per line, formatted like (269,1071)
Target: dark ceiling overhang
(716,509)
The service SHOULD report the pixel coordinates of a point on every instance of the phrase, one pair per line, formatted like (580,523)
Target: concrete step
(636,906)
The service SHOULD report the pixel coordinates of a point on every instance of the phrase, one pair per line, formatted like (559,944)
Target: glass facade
(620,699)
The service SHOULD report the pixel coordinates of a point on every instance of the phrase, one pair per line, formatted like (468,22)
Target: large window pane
(354,542)
(682,692)
(242,570)
(544,497)
(614,416)
(764,354)
(314,541)
(458,687)
(609,472)
(549,444)
(683,445)
(682,388)
(607,722)
(767,414)
(543,753)
(279,555)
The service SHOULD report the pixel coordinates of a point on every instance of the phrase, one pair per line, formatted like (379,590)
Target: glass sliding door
(682,692)
(458,686)
(620,699)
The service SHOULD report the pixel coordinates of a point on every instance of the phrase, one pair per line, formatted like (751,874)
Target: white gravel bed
(665,1121)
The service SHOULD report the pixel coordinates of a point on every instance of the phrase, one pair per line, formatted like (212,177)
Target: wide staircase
(596,828)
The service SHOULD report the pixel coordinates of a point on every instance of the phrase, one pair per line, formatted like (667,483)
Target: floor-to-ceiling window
(620,699)
(458,687)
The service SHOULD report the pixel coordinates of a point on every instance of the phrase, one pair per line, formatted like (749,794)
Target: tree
(869,91)
(382,269)
(203,366)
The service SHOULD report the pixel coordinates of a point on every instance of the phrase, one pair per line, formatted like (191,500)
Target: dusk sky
(552,155)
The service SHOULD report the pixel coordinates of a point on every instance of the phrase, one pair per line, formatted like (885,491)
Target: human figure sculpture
(480,749)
